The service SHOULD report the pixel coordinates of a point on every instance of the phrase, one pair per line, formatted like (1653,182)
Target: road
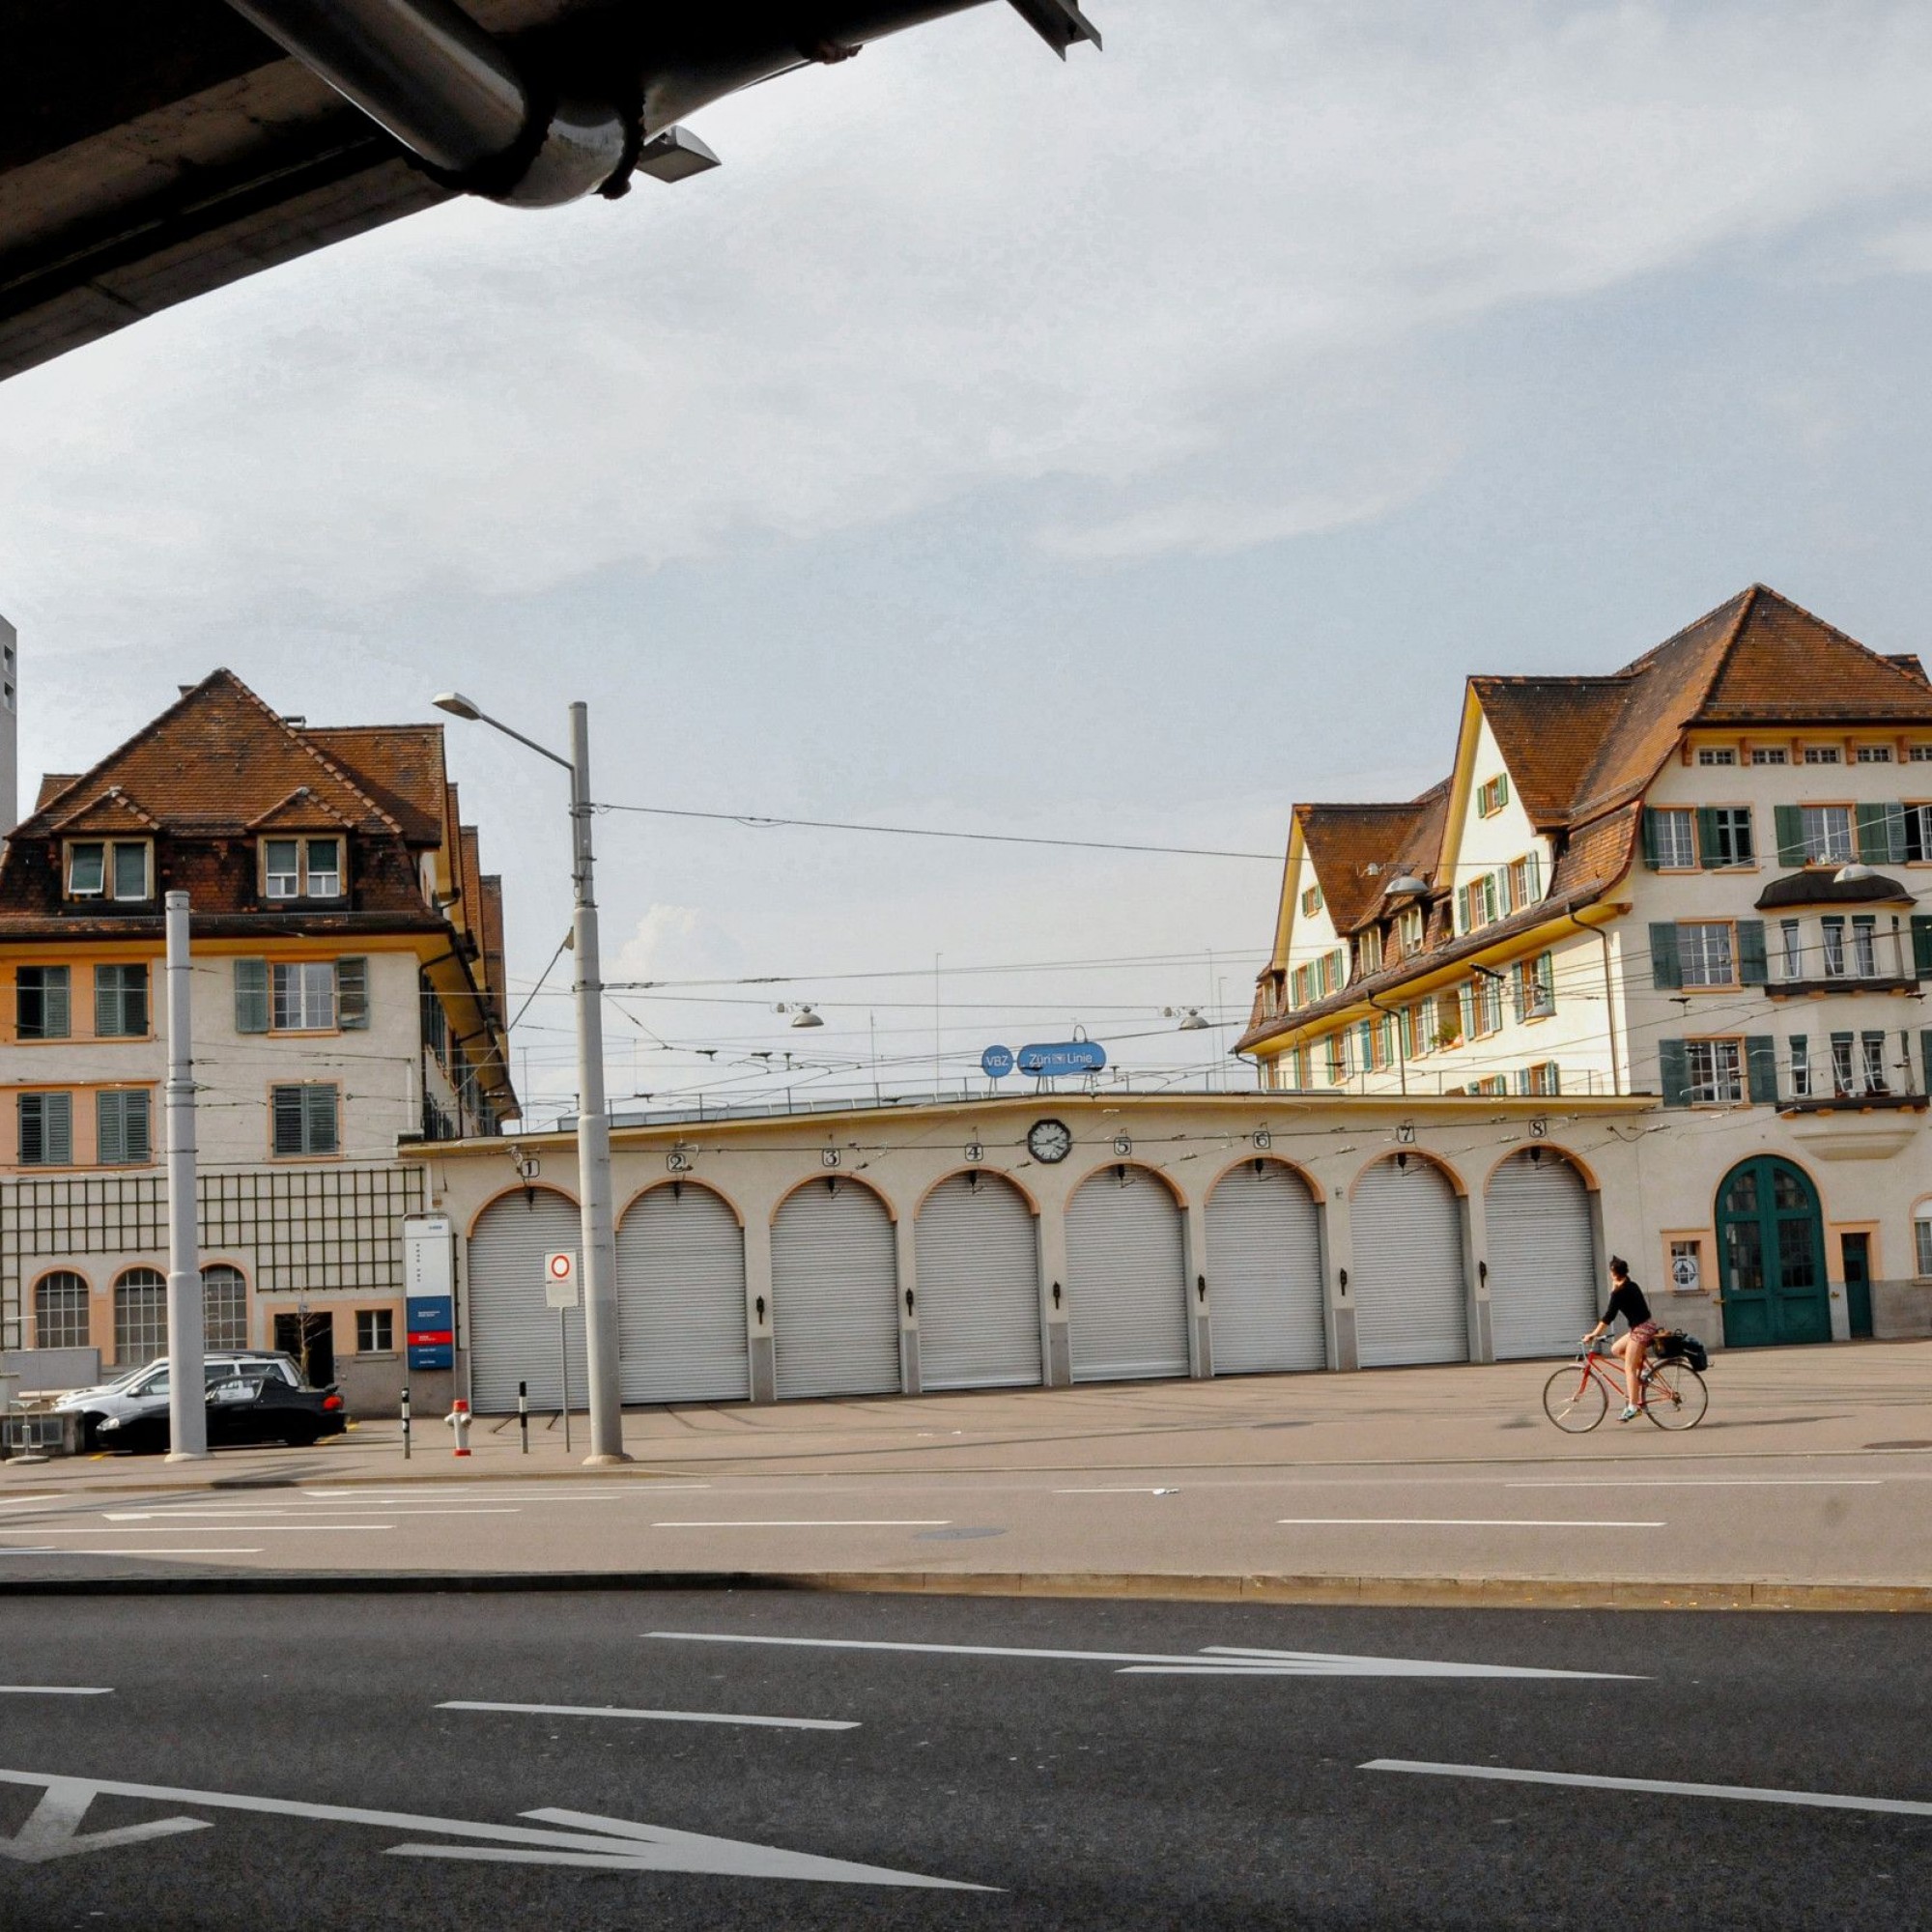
(334,1762)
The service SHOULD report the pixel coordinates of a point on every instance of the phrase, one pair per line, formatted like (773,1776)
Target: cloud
(949,267)
(676,942)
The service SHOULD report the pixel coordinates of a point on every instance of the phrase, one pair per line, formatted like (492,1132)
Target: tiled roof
(400,766)
(1355,849)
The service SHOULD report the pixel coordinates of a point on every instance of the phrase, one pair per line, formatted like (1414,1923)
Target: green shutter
(1790,835)
(1881,830)
(1921,945)
(1650,838)
(251,997)
(1754,969)
(55,991)
(1708,855)
(1674,1069)
(1666,967)
(318,1132)
(287,1110)
(109,1122)
(1761,1069)
(1925,1057)
(352,994)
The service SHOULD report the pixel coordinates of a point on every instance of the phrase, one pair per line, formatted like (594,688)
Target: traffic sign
(560,1280)
(997,1062)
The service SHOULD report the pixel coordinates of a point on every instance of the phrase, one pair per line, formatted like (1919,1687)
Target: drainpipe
(456,99)
(1609,997)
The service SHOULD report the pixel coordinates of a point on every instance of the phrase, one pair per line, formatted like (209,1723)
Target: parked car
(253,1403)
(129,1393)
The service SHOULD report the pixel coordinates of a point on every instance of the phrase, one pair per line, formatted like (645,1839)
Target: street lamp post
(593,1124)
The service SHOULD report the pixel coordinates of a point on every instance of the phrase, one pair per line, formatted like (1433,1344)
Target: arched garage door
(978,1286)
(1406,1284)
(512,1333)
(1264,1272)
(1543,1268)
(681,1299)
(835,1293)
(1126,1284)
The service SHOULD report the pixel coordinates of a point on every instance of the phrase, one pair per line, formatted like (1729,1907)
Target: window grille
(224,1306)
(60,1311)
(140,1316)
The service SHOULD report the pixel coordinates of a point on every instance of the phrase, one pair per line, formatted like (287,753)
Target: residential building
(347,996)
(1706,876)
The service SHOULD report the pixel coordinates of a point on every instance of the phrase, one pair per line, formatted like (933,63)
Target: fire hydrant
(458,1419)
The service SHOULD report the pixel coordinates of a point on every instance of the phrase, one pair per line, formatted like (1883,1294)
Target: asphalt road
(316,1774)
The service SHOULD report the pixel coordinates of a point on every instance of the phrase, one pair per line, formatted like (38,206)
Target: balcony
(1841,983)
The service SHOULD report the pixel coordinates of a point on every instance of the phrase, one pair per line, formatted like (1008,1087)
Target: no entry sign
(560,1281)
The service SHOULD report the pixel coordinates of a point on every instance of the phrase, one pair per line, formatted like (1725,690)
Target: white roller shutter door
(978,1287)
(1264,1272)
(835,1293)
(681,1299)
(1406,1283)
(512,1333)
(1543,1268)
(1126,1286)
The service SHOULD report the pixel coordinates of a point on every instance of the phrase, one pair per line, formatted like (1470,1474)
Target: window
(121,1002)
(1921,755)
(281,868)
(324,868)
(1871,1062)
(1801,1067)
(1874,755)
(1834,950)
(304,997)
(1841,1066)
(435,1028)
(1822,755)
(1770,754)
(1480,902)
(1922,1240)
(41,1006)
(1525,881)
(1707,953)
(224,1306)
(1728,837)
(1448,1020)
(1716,754)
(1336,1064)
(1335,970)
(1826,831)
(1408,932)
(1491,795)
(1536,987)
(1672,839)
(1545,1077)
(1716,1071)
(1303,1068)
(1790,950)
(121,1129)
(305,1118)
(60,1311)
(1493,1083)
(1486,1005)
(46,1129)
(141,1321)
(108,869)
(375,1331)
(294,869)
(1915,835)
(1864,945)
(1311,901)
(1686,1268)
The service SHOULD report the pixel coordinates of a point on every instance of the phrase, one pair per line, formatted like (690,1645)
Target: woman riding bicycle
(1626,1299)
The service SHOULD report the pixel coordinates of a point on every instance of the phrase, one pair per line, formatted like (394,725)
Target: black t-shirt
(1627,1301)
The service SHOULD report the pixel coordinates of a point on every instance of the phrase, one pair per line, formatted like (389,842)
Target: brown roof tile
(401,766)
(1356,849)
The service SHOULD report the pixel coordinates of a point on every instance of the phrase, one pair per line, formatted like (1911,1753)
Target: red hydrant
(458,1419)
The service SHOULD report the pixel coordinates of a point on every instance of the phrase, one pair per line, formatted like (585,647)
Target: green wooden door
(1771,1256)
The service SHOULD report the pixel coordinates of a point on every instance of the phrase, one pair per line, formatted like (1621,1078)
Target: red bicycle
(1669,1391)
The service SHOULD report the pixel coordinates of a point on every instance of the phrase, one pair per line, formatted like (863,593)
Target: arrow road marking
(611,1844)
(663,1717)
(1757,1794)
(50,1832)
(1212,1661)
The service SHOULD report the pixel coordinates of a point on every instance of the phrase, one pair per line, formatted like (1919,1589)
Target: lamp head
(457,705)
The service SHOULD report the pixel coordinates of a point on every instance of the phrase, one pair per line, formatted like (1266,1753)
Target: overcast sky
(1117,450)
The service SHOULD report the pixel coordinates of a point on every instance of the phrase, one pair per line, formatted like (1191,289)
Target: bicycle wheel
(1674,1396)
(1573,1399)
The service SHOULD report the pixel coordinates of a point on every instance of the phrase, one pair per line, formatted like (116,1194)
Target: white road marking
(615,1844)
(134,1549)
(660,1717)
(56,1690)
(202,1524)
(1831,1800)
(52,1832)
(796,1522)
(301,1520)
(1461,1522)
(1116,1492)
(1215,1660)
(1708,1483)
(640,1488)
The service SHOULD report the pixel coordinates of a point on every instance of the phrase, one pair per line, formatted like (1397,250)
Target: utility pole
(187,1396)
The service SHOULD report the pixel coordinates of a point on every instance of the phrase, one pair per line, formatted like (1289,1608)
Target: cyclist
(1626,1299)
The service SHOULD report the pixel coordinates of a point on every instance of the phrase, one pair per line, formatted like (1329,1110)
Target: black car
(253,1404)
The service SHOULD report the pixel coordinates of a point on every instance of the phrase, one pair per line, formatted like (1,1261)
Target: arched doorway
(681,1298)
(978,1286)
(1265,1270)
(1543,1261)
(1127,1278)
(513,1331)
(835,1293)
(1411,1302)
(1771,1256)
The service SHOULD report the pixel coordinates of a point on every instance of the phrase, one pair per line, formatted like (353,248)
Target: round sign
(997,1062)
(560,1266)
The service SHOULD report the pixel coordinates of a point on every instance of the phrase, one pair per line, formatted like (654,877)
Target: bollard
(458,1419)
(406,1422)
(523,1413)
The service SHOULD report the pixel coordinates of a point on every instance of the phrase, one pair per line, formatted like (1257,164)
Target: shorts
(1646,1333)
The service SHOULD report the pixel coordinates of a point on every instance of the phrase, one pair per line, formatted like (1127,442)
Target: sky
(1117,450)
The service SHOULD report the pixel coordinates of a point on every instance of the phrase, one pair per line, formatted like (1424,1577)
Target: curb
(1363,1592)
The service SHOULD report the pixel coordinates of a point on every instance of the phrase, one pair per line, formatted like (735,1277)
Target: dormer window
(301,868)
(109,869)
(1491,795)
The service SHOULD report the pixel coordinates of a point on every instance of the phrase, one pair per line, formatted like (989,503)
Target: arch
(140,1315)
(63,1308)
(675,1181)
(1166,1180)
(985,1174)
(835,1292)
(513,1333)
(519,1187)
(1250,1160)
(681,1334)
(224,1305)
(1264,1265)
(978,1242)
(1770,1220)
(1545,1148)
(1411,1292)
(834,1177)
(1400,1158)
(1126,1276)
(1542,1256)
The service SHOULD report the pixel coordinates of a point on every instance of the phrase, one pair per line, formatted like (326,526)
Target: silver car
(130,1392)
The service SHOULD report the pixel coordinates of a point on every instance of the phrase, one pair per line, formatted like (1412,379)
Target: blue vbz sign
(432,1331)
(997,1062)
(1072,1056)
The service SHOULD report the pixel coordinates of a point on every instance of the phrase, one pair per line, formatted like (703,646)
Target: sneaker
(1629,1414)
